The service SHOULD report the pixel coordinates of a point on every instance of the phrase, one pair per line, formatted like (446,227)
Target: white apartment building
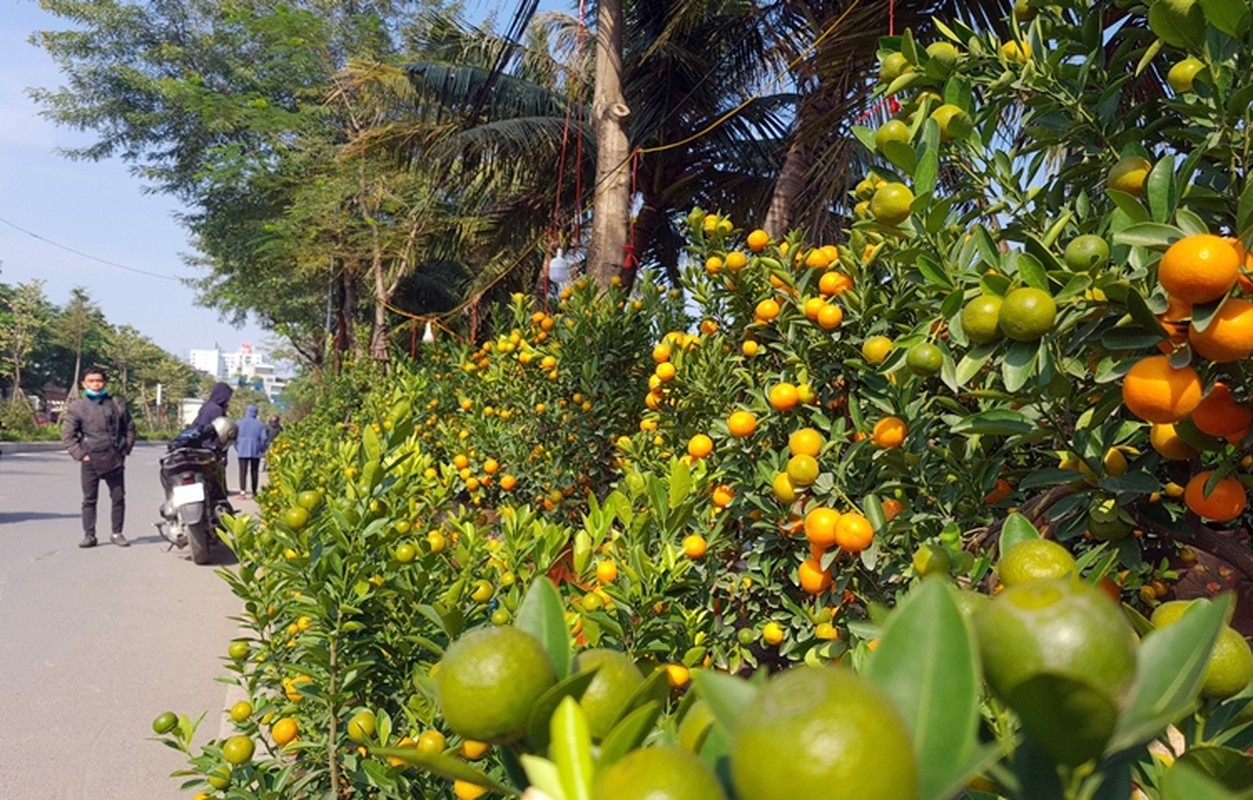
(246,362)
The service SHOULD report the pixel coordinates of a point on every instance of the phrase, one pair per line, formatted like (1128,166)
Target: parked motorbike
(193,474)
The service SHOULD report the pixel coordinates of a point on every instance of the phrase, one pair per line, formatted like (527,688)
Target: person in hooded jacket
(249,445)
(215,406)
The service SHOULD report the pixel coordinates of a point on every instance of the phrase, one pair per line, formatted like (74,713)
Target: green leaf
(571,750)
(1162,190)
(1244,214)
(680,483)
(1017,528)
(538,726)
(901,156)
(628,734)
(1140,311)
(928,170)
(1018,366)
(541,616)
(1233,18)
(933,272)
(1049,477)
(1131,338)
(1031,271)
(927,662)
(995,422)
(1130,483)
(865,136)
(444,766)
(972,362)
(1230,767)
(1190,223)
(727,696)
(1154,235)
(1187,782)
(1172,664)
(542,774)
(1129,206)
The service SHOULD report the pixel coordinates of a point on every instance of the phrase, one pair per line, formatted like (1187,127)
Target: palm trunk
(787,189)
(609,112)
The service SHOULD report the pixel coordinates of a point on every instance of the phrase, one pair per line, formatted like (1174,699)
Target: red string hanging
(629,259)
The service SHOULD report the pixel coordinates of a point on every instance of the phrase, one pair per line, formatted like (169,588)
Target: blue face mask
(94,394)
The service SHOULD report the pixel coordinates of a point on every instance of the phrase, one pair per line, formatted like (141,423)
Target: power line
(104,261)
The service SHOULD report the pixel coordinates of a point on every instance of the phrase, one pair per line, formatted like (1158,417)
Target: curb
(29,447)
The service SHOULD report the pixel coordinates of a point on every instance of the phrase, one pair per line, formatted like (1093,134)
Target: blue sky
(93,207)
(99,209)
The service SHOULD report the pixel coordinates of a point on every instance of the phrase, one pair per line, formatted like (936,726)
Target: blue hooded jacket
(253,437)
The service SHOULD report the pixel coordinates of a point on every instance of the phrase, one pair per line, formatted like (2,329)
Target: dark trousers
(91,493)
(248,466)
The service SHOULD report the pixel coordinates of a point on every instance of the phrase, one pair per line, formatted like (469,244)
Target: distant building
(244,366)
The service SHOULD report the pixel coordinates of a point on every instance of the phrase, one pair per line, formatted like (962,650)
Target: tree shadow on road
(29,516)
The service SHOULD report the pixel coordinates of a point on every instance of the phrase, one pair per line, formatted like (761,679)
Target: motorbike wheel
(198,538)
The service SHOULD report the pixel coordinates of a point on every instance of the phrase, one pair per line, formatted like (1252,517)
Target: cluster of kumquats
(748,469)
(1208,323)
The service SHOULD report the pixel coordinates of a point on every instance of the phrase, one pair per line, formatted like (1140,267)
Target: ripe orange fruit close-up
(1223,503)
(839,735)
(820,524)
(1166,442)
(1200,268)
(853,532)
(783,397)
(1155,391)
(812,577)
(804,441)
(757,240)
(694,545)
(875,349)
(284,731)
(889,433)
(741,424)
(700,446)
(1218,414)
(1229,335)
(766,310)
(833,283)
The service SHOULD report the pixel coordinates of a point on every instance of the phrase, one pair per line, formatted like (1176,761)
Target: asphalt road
(95,643)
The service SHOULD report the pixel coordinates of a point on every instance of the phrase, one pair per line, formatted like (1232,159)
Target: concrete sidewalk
(95,643)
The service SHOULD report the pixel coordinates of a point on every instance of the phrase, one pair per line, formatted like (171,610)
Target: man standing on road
(98,431)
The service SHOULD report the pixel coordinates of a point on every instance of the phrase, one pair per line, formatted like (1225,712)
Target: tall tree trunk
(787,188)
(609,112)
(72,394)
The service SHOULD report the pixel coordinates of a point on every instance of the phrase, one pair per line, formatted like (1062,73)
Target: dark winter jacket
(100,427)
(274,427)
(253,437)
(215,406)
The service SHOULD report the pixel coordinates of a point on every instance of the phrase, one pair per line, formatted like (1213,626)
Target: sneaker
(119,540)
(88,541)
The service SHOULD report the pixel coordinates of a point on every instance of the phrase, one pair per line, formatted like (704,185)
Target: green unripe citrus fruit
(1230,666)
(1086,252)
(891,131)
(839,735)
(1027,314)
(891,203)
(658,773)
(981,319)
(1034,560)
(605,700)
(924,358)
(1063,657)
(488,681)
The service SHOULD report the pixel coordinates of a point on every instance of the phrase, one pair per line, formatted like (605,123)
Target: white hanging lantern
(428,335)
(559,268)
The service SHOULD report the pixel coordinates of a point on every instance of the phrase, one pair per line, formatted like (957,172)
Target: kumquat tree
(951,505)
